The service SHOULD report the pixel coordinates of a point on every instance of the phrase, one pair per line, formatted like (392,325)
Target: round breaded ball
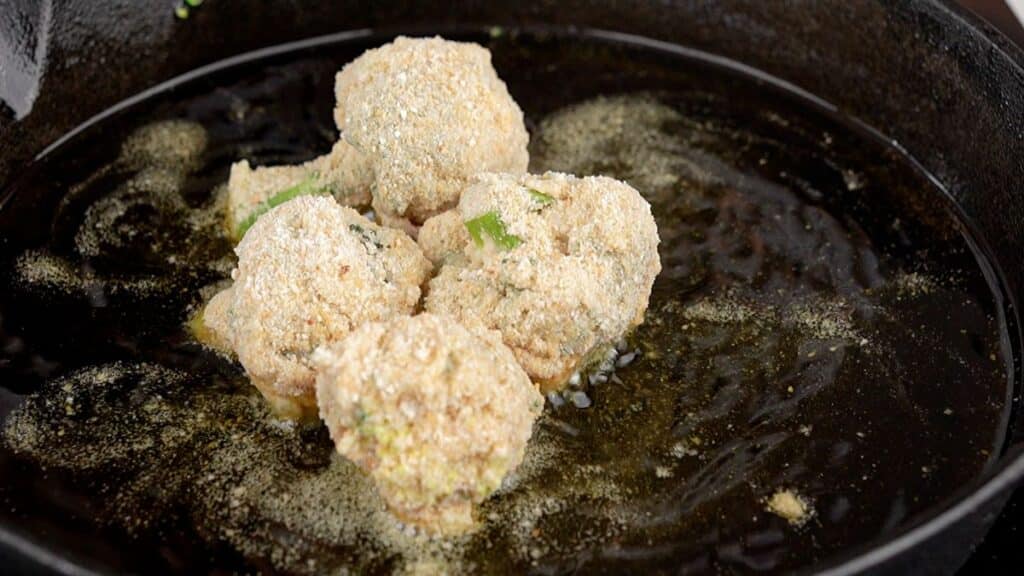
(429,114)
(437,413)
(561,266)
(343,172)
(309,272)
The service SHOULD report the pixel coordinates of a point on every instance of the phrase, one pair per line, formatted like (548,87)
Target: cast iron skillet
(943,85)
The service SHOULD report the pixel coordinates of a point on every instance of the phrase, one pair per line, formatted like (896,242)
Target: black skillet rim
(1004,475)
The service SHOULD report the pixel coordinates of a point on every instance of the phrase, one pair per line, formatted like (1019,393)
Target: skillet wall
(951,95)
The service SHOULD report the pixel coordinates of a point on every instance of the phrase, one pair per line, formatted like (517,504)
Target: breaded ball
(343,172)
(437,413)
(561,266)
(430,114)
(309,272)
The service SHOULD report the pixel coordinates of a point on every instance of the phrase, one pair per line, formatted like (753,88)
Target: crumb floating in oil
(749,373)
(240,473)
(144,223)
(790,506)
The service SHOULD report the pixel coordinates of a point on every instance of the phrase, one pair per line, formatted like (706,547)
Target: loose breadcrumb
(789,505)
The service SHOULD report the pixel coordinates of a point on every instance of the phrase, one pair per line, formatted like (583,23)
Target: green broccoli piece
(307,187)
(490,223)
(541,198)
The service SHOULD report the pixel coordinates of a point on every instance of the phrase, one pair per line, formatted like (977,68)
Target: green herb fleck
(363,426)
(367,236)
(541,198)
(193,3)
(490,223)
(307,187)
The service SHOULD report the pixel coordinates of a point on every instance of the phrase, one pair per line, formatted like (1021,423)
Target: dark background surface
(1002,551)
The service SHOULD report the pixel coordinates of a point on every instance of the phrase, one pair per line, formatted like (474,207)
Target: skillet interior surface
(825,324)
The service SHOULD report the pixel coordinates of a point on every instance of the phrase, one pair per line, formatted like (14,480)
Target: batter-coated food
(309,272)
(437,413)
(561,266)
(343,173)
(430,114)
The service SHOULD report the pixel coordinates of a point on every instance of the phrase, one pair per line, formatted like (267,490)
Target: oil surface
(821,330)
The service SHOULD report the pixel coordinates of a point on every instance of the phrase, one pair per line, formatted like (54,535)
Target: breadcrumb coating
(344,172)
(430,114)
(419,117)
(212,326)
(437,413)
(570,276)
(309,272)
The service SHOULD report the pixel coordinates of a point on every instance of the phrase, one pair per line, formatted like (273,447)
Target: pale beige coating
(344,172)
(214,324)
(579,280)
(437,413)
(791,506)
(430,113)
(309,272)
